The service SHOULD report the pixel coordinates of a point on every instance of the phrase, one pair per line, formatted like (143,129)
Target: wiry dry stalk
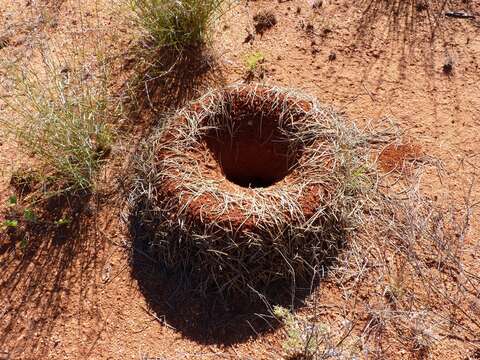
(412,258)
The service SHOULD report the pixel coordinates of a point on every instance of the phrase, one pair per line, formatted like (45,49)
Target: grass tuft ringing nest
(249,186)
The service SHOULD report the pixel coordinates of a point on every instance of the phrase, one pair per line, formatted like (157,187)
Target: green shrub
(177,24)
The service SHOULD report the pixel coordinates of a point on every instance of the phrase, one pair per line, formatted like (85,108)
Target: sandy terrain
(77,295)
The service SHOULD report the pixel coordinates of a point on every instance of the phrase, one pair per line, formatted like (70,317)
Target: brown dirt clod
(395,156)
(264,20)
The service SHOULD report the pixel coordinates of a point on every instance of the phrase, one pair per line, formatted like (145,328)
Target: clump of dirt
(447,67)
(396,156)
(263,21)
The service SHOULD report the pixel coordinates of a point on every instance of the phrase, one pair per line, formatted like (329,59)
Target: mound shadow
(209,318)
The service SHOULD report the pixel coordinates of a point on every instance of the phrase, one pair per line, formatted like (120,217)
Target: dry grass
(171,56)
(413,253)
(405,282)
(60,115)
(379,235)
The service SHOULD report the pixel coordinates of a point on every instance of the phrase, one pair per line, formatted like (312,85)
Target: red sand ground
(74,297)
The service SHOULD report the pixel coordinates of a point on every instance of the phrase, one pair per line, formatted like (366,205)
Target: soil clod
(263,21)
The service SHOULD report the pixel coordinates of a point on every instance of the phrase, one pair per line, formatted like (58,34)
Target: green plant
(253,60)
(313,340)
(12,200)
(60,114)
(62,221)
(23,243)
(10,224)
(359,178)
(177,24)
(299,338)
(29,215)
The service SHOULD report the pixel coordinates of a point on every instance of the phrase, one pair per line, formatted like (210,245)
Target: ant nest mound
(247,186)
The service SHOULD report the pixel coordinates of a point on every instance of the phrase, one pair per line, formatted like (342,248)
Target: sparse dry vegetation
(264,20)
(251,194)
(410,252)
(60,115)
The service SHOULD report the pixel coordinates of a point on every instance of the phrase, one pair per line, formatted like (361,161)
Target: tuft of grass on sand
(60,112)
(177,24)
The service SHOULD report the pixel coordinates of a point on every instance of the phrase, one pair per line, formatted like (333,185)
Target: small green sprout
(10,224)
(62,221)
(253,60)
(29,215)
(359,178)
(23,243)
(360,171)
(12,200)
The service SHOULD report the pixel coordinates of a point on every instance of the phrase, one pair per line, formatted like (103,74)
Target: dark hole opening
(251,182)
(256,155)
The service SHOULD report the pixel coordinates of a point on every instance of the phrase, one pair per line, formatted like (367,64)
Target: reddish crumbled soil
(258,155)
(396,157)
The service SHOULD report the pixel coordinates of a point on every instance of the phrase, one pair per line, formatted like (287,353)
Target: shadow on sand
(411,28)
(38,277)
(164,79)
(207,319)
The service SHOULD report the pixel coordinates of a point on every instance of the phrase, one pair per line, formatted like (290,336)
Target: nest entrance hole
(253,150)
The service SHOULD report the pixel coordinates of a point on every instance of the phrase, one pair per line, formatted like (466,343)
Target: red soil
(395,157)
(258,155)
